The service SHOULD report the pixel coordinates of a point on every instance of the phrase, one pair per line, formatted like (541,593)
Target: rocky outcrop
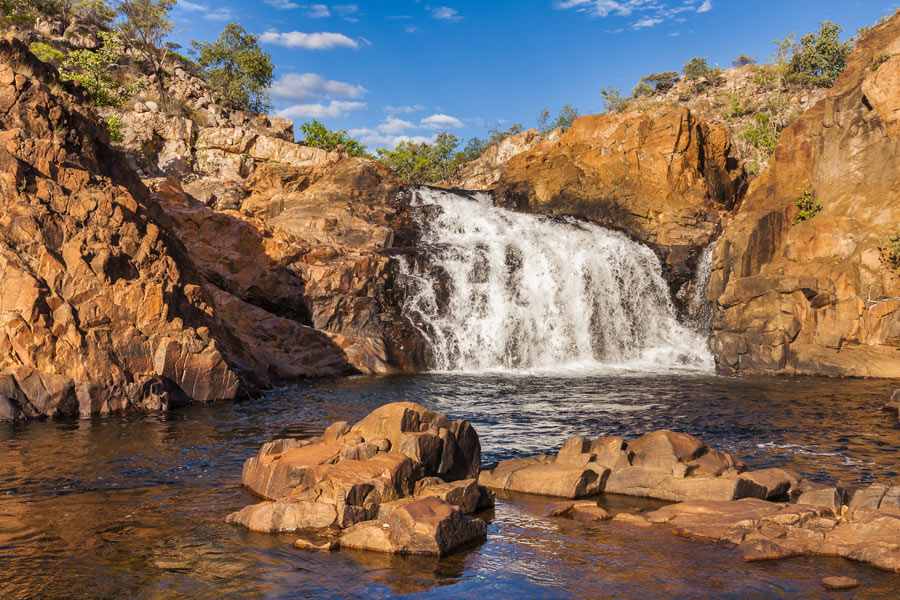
(663,177)
(664,465)
(810,293)
(402,480)
(102,307)
(770,531)
(486,170)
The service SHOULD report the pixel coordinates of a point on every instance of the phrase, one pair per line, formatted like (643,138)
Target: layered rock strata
(809,292)
(401,480)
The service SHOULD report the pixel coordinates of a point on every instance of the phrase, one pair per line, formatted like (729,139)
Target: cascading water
(505,291)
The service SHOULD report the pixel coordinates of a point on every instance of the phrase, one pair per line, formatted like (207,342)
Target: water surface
(132,506)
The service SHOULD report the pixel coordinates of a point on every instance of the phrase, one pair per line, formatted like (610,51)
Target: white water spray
(533,293)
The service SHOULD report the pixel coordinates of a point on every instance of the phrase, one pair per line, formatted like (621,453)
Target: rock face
(814,296)
(663,177)
(116,298)
(486,170)
(664,465)
(402,480)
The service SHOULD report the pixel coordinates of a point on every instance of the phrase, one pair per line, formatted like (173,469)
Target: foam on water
(506,292)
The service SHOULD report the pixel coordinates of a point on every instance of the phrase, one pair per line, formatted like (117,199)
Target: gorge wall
(120,293)
(814,296)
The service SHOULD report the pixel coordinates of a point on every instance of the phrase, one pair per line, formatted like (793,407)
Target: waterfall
(700,309)
(511,292)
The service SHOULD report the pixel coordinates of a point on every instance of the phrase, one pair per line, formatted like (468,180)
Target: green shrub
(612,99)
(564,118)
(422,162)
(695,68)
(475,147)
(808,205)
(735,108)
(114,124)
(879,59)
(889,246)
(642,89)
(818,59)
(767,77)
(743,60)
(94,70)
(762,134)
(46,53)
(317,135)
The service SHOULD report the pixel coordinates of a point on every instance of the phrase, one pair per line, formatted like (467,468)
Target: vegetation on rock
(564,118)
(808,205)
(237,67)
(145,25)
(422,162)
(317,135)
(889,246)
(96,70)
(818,59)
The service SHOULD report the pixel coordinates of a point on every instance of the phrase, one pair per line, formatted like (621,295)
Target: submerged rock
(402,480)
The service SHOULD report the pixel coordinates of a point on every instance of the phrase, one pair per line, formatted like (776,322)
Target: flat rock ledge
(770,513)
(402,480)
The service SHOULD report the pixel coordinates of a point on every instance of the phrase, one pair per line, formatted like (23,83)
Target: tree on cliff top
(564,118)
(317,135)
(818,59)
(236,66)
(422,162)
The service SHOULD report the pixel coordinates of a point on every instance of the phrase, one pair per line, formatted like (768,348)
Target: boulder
(661,450)
(423,526)
(546,478)
(367,478)
(778,482)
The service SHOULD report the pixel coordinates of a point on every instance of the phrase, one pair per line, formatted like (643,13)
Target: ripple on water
(132,506)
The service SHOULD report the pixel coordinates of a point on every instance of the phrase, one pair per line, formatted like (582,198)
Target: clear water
(132,506)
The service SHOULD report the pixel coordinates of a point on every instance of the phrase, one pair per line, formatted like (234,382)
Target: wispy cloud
(317,11)
(332,110)
(649,12)
(445,13)
(395,110)
(308,41)
(311,86)
(207,13)
(347,12)
(281,4)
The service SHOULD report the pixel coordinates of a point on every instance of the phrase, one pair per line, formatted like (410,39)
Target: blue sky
(393,70)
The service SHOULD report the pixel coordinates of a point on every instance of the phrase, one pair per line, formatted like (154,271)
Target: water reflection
(132,506)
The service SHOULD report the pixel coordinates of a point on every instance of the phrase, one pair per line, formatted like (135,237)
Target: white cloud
(372,137)
(332,110)
(347,11)
(445,13)
(650,12)
(220,14)
(192,7)
(438,121)
(393,110)
(311,86)
(647,22)
(410,29)
(317,11)
(281,4)
(308,41)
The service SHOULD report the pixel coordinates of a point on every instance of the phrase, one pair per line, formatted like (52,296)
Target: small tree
(94,70)
(422,162)
(317,135)
(820,57)
(566,116)
(663,82)
(612,99)
(145,25)
(695,68)
(642,89)
(237,67)
(743,60)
